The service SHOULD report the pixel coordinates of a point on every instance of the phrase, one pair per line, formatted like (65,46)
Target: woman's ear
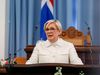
(60,32)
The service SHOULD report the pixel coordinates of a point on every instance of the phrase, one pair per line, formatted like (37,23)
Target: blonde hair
(58,24)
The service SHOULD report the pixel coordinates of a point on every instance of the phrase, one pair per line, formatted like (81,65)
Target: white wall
(2,28)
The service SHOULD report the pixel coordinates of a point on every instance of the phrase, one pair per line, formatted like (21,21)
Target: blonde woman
(54,49)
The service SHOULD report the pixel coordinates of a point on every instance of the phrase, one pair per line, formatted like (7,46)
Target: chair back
(75,36)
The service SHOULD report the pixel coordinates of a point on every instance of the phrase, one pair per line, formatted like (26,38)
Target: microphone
(89,34)
(9,58)
(36,27)
(12,59)
(15,55)
(90,41)
(91,57)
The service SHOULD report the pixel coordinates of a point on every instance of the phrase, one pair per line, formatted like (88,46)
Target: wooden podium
(50,69)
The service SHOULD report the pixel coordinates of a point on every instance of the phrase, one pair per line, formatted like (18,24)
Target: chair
(20,60)
(75,36)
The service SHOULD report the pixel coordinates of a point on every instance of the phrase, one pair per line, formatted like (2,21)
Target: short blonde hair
(58,24)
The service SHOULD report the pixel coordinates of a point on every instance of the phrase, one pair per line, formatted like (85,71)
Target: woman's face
(52,32)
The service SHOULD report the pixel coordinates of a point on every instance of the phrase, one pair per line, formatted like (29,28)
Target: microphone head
(88,28)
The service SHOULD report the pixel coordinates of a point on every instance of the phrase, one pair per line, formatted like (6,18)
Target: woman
(54,49)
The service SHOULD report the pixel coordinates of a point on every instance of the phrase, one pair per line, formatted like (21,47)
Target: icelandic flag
(46,14)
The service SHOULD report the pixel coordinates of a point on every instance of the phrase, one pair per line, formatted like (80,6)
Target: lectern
(50,69)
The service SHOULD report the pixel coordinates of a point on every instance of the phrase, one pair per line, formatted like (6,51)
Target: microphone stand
(89,33)
(9,59)
(14,60)
(91,55)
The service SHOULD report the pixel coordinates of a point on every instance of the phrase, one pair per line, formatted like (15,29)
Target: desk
(88,54)
(3,70)
(50,69)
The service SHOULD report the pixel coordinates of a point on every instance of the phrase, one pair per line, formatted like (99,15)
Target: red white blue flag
(46,14)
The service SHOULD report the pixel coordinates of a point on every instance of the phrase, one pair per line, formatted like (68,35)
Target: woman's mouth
(50,35)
